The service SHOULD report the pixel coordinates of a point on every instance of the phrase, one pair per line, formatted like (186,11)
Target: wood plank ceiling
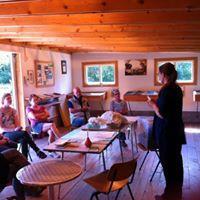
(102,25)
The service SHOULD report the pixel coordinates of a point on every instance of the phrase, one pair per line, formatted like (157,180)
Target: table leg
(101,106)
(62,156)
(129,105)
(120,145)
(135,135)
(104,162)
(132,140)
(50,192)
(85,162)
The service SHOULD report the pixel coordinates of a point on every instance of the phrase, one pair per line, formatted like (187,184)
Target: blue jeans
(77,122)
(24,138)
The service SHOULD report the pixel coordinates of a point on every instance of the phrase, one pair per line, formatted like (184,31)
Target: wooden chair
(147,153)
(114,179)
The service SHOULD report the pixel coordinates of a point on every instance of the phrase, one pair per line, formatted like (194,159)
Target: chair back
(121,171)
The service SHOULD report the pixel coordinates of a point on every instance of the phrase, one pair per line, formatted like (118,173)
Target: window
(100,73)
(186,68)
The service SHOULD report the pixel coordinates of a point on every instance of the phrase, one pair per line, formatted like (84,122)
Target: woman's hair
(4,96)
(169,71)
(32,96)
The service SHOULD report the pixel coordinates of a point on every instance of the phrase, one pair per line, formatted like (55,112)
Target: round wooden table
(49,173)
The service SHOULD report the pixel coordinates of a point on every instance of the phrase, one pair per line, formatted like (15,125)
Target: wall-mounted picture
(44,73)
(136,67)
(64,66)
(30,76)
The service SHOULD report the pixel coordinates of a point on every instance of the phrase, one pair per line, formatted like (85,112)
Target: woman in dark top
(168,131)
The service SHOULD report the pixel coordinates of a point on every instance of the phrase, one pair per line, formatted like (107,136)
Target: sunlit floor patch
(192,130)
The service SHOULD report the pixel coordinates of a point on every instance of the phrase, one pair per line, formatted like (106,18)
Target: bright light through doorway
(6,74)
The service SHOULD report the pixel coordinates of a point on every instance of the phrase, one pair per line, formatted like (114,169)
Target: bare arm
(3,128)
(73,110)
(38,116)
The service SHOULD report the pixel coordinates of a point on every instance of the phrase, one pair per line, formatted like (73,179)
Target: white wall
(63,82)
(127,83)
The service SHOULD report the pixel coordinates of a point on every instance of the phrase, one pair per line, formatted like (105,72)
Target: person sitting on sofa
(78,108)
(11,129)
(120,106)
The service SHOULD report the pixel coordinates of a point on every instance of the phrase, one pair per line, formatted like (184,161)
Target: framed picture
(64,66)
(30,76)
(136,67)
(44,73)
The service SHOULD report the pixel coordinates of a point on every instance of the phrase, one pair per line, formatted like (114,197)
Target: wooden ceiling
(102,25)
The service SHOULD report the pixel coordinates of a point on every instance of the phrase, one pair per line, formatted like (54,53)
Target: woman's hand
(19,128)
(151,103)
(3,140)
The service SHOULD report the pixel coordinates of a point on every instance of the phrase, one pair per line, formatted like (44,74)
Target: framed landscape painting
(136,67)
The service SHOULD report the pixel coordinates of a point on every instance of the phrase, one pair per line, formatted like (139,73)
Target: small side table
(49,173)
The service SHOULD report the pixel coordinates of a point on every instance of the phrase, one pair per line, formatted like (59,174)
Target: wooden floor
(141,187)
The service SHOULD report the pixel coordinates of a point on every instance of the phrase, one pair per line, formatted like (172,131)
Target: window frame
(195,68)
(84,68)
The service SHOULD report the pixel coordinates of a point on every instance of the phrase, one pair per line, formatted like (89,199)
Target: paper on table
(63,142)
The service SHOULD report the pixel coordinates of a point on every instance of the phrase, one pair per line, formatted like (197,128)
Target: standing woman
(168,131)
(11,129)
(38,116)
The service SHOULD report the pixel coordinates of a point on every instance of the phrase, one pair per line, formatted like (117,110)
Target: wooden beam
(72,6)
(34,46)
(104,35)
(169,27)
(105,18)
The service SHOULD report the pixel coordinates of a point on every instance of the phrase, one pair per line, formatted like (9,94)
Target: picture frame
(136,67)
(64,66)
(44,73)
(30,76)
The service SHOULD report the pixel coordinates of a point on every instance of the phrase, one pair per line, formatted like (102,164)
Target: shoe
(123,143)
(34,191)
(159,197)
(41,154)
(54,155)
(12,198)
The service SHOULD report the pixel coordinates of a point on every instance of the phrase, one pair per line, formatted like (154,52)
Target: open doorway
(7,76)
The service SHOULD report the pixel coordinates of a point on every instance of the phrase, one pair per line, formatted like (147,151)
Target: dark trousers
(172,163)
(122,136)
(24,138)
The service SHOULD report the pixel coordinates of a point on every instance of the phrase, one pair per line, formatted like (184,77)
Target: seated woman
(11,129)
(120,106)
(38,116)
(11,161)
